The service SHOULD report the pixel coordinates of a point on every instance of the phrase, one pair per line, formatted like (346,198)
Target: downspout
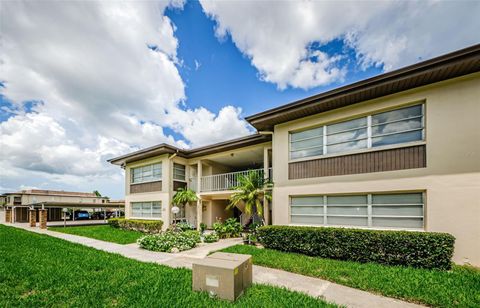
(174,155)
(265,132)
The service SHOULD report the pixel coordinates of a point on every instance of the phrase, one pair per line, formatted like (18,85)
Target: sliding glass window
(147,209)
(403,210)
(147,173)
(398,126)
(387,128)
(178,172)
(306,143)
(347,136)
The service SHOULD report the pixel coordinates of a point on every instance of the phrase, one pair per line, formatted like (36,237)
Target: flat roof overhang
(459,63)
(201,151)
(59,204)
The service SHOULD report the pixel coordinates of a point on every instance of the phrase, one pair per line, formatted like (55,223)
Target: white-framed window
(147,173)
(151,209)
(392,210)
(178,172)
(396,126)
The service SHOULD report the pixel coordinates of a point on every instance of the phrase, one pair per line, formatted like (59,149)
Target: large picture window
(392,127)
(403,210)
(151,209)
(147,173)
(306,143)
(178,172)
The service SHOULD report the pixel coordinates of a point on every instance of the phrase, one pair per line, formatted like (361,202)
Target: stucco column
(199,213)
(199,201)
(43,218)
(8,215)
(266,164)
(167,187)
(32,217)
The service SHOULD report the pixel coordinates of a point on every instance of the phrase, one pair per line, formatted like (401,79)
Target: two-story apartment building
(396,151)
(154,174)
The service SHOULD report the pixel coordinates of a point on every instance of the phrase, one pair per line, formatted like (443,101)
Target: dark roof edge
(229,144)
(408,70)
(163,148)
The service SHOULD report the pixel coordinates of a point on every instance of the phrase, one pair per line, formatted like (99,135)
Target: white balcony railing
(223,181)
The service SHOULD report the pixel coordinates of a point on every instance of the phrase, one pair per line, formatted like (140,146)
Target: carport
(51,212)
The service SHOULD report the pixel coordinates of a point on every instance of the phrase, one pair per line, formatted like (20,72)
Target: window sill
(146,182)
(360,227)
(359,151)
(145,218)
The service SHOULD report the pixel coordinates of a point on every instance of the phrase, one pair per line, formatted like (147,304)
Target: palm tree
(251,190)
(184,196)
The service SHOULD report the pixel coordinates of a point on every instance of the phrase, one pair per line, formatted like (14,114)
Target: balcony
(224,181)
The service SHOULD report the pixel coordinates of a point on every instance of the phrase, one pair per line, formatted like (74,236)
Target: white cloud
(105,78)
(37,142)
(277,38)
(204,127)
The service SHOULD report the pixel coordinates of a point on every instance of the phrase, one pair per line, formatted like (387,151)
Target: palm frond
(251,190)
(184,196)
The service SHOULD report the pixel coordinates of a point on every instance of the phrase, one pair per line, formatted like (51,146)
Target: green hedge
(147,226)
(416,249)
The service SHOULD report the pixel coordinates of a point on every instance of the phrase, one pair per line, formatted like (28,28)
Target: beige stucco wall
(215,209)
(451,179)
(164,196)
(212,209)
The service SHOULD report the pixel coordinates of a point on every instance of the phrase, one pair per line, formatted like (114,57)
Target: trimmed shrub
(210,237)
(230,228)
(194,235)
(416,249)
(184,226)
(114,222)
(146,226)
(170,241)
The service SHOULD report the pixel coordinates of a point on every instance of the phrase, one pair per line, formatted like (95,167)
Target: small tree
(184,196)
(252,189)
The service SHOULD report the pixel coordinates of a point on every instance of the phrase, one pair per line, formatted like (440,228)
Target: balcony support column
(199,189)
(266,163)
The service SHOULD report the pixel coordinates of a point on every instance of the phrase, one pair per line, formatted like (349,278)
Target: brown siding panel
(378,161)
(145,187)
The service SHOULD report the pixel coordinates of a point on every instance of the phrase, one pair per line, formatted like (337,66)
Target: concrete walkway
(315,287)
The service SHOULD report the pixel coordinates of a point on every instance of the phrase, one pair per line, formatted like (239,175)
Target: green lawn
(102,232)
(459,287)
(39,271)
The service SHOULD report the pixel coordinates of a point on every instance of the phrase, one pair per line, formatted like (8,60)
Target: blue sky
(128,75)
(225,75)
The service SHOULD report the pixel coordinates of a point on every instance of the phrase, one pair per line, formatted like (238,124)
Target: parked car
(98,215)
(82,215)
(115,214)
